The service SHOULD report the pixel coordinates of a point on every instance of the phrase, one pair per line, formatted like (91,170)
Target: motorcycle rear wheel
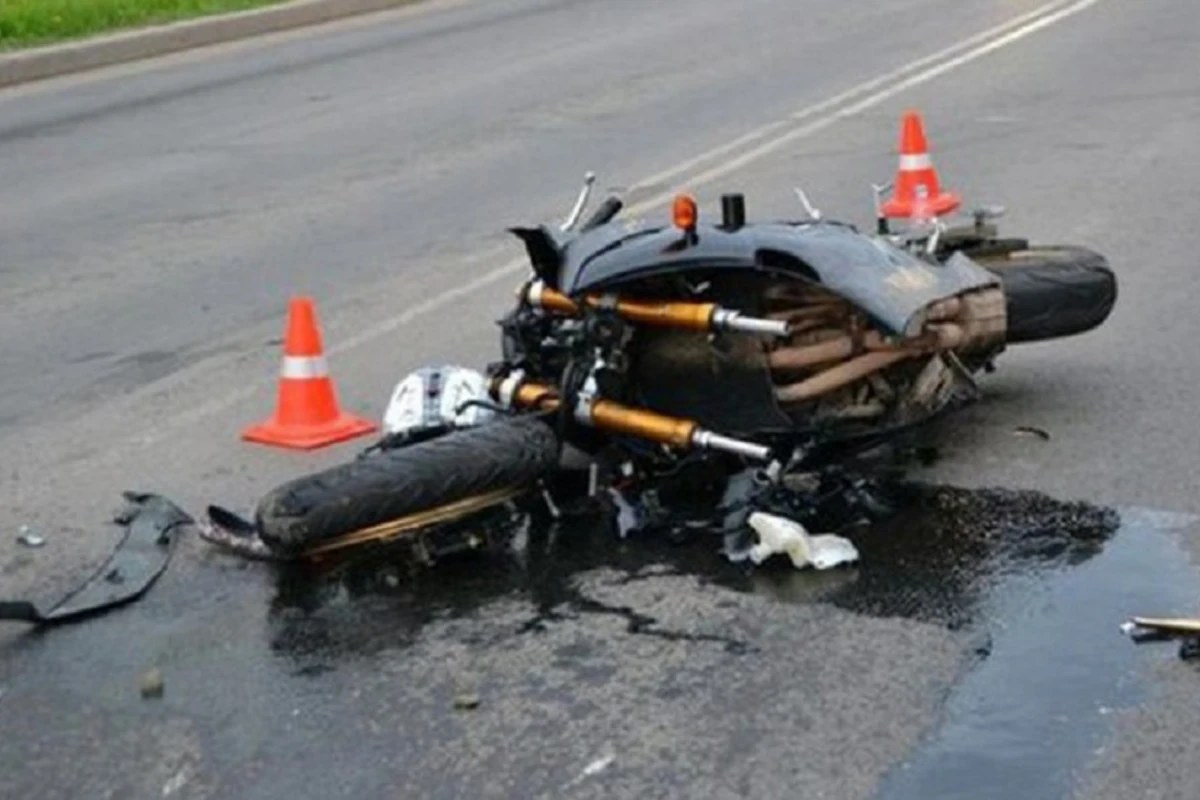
(1054,291)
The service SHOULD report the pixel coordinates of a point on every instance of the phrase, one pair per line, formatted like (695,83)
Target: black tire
(1052,292)
(509,453)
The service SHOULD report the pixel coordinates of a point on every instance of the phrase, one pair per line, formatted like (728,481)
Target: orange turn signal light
(684,212)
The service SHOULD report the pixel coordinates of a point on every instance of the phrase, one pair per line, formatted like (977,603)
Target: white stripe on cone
(304,367)
(914,163)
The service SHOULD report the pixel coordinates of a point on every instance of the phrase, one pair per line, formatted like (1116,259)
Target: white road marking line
(845,96)
(987,42)
(804,131)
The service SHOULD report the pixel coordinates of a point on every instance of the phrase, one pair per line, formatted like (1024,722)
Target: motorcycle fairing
(888,283)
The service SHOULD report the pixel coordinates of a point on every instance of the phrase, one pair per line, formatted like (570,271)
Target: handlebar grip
(611,206)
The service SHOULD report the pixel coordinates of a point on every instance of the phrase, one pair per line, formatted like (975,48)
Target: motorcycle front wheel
(393,491)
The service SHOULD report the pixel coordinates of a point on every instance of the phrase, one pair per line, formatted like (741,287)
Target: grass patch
(25,23)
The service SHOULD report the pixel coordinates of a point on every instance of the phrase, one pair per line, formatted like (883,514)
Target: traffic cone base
(309,437)
(944,203)
(918,193)
(306,414)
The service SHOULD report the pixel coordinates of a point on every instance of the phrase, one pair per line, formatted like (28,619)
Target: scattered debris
(595,767)
(390,578)
(1159,628)
(151,684)
(1186,631)
(29,539)
(779,535)
(466,701)
(151,523)
(629,518)
(599,765)
(1028,430)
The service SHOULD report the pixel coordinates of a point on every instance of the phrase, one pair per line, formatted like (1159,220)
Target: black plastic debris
(152,526)
(1030,431)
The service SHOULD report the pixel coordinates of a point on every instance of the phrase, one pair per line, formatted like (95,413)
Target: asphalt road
(156,219)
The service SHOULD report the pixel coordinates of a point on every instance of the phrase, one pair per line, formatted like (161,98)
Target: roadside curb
(61,59)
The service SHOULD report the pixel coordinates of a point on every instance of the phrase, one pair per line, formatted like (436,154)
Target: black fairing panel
(544,252)
(886,282)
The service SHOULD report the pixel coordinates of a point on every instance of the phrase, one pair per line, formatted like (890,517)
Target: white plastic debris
(781,536)
(599,765)
(28,538)
(595,767)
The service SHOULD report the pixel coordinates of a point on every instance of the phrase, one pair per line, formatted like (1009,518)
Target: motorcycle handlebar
(611,206)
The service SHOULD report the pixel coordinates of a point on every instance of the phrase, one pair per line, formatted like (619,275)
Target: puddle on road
(1028,719)
(935,561)
(1044,583)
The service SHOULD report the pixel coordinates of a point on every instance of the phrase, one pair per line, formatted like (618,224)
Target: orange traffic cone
(918,194)
(307,414)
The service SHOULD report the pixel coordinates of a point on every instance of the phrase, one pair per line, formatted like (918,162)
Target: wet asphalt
(973,652)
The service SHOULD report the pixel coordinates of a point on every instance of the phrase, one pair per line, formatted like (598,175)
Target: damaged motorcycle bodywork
(831,326)
(696,372)
(732,347)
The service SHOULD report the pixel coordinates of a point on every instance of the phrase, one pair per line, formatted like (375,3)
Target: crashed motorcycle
(692,372)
